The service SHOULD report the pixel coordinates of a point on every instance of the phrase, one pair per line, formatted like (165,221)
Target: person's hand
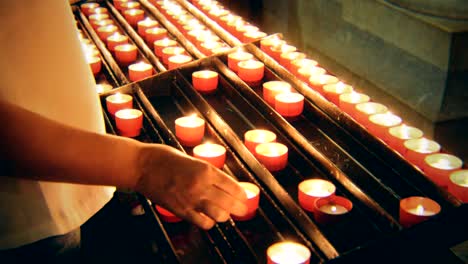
(190,188)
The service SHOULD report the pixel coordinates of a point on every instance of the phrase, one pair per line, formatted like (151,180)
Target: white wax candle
(334,209)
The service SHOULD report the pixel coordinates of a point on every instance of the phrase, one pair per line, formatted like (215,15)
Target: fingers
(226,201)
(213,211)
(230,186)
(200,219)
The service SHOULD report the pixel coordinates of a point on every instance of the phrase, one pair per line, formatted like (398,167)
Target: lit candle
(364,110)
(214,154)
(118,102)
(155,33)
(272,88)
(288,252)
(178,60)
(439,166)
(189,130)
(101,23)
(206,36)
(253,138)
(167,216)
(115,40)
(243,28)
(287,57)
(106,31)
(118,4)
(303,63)
(251,71)
(88,7)
(230,18)
(129,122)
(253,199)
(171,51)
(306,72)
(95,64)
(208,47)
(103,88)
(311,190)
(416,150)
(189,27)
(399,134)
(194,33)
(205,81)
(133,16)
(98,10)
(236,57)
(145,24)
(276,51)
(139,71)
(333,91)
(232,25)
(129,5)
(458,184)
(348,102)
(161,44)
(251,36)
(317,82)
(97,17)
(126,53)
(273,155)
(267,43)
(380,123)
(289,104)
(415,209)
(215,14)
(331,209)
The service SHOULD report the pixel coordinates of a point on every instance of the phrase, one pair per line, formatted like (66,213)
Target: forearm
(39,148)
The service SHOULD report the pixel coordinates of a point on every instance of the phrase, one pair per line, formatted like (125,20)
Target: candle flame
(420,209)
(333,208)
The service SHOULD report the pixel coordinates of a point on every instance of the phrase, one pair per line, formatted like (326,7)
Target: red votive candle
(380,123)
(253,138)
(126,53)
(232,25)
(236,57)
(439,166)
(106,31)
(214,154)
(156,33)
(331,209)
(161,44)
(289,104)
(178,60)
(267,43)
(205,81)
(189,130)
(171,51)
(129,5)
(348,102)
(273,155)
(272,88)
(306,72)
(288,252)
(317,82)
(311,190)
(253,199)
(215,14)
(458,184)
(208,47)
(133,16)
(144,25)
(139,71)
(118,3)
(103,88)
(118,102)
(302,63)
(364,110)
(251,71)
(98,17)
(333,91)
(167,216)
(99,10)
(416,209)
(288,57)
(101,23)
(115,40)
(95,64)
(88,7)
(399,134)
(241,29)
(276,51)
(416,150)
(252,36)
(129,122)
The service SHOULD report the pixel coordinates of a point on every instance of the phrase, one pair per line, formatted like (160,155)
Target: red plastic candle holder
(333,91)
(139,71)
(416,209)
(171,51)
(439,166)
(306,72)
(276,51)
(129,5)
(348,102)
(272,88)
(115,40)
(332,209)
(267,43)
(88,7)
(311,190)
(288,252)
(273,155)
(95,63)
(118,102)
(253,199)
(190,130)
(364,110)
(251,71)
(236,57)
(106,31)
(133,16)
(205,81)
(380,123)
(289,104)
(416,150)
(214,154)
(302,63)
(458,184)
(101,23)
(155,33)
(129,122)
(161,44)
(145,24)
(126,54)
(317,82)
(288,57)
(99,11)
(103,88)
(252,36)
(253,138)
(98,17)
(178,60)
(399,134)
(167,216)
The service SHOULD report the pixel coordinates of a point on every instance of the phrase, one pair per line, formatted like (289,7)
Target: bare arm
(42,149)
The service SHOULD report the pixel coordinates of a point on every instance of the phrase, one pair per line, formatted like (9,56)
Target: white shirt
(42,69)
